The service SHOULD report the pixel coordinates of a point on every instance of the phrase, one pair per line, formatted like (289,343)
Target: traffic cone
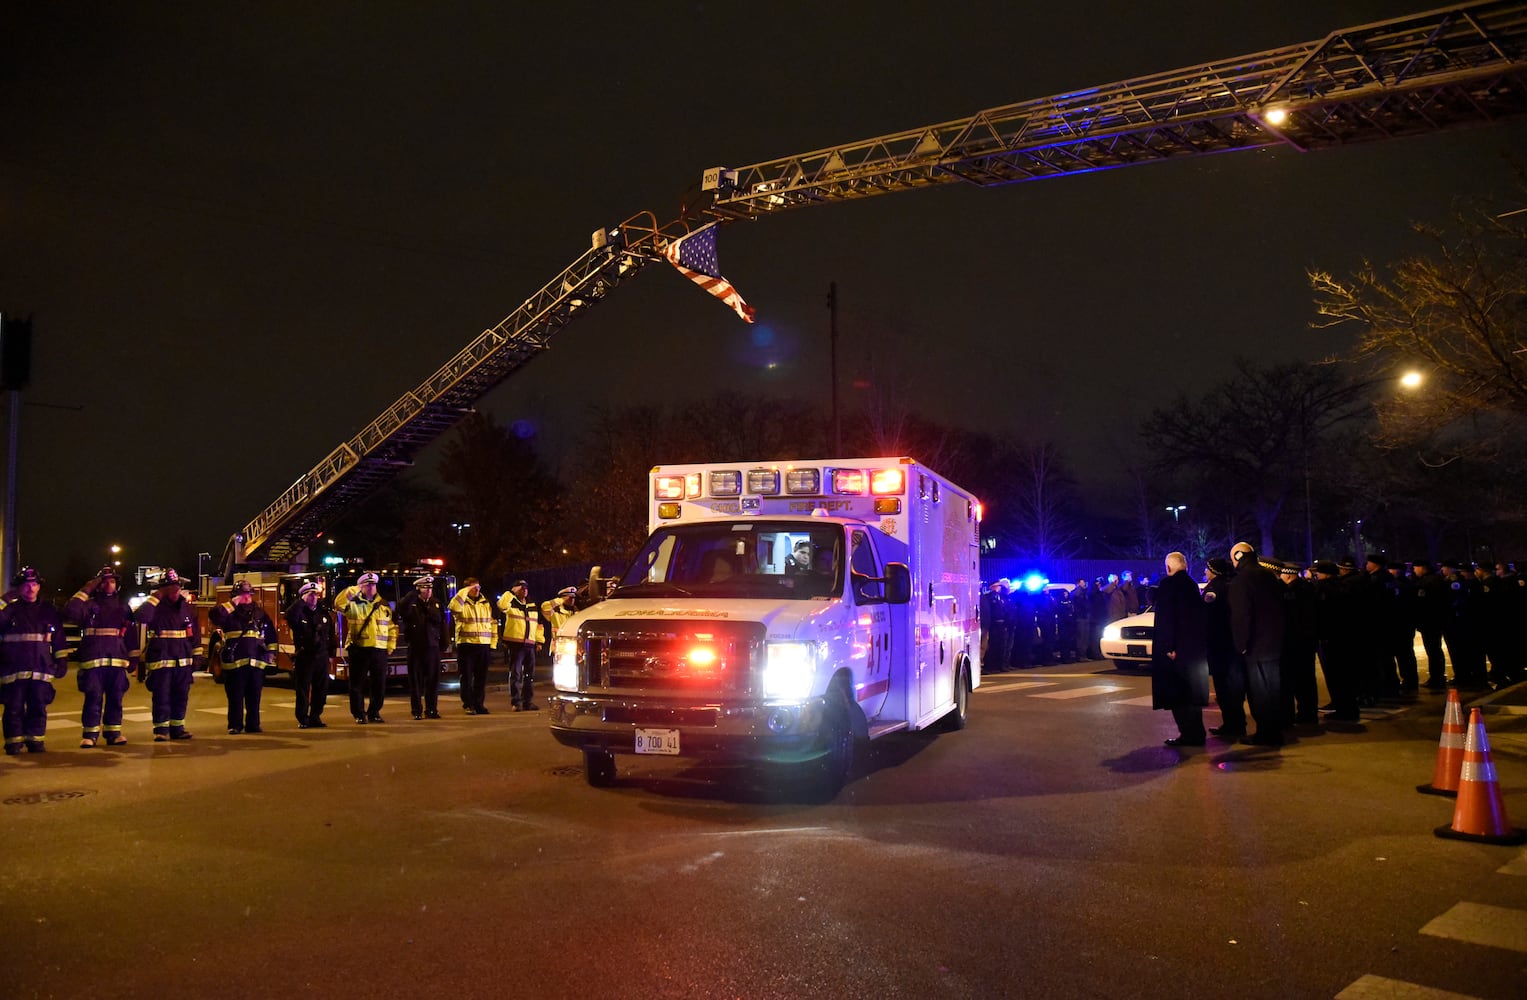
(1480,814)
(1449,750)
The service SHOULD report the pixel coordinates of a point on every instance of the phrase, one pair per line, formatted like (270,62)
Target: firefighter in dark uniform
(33,652)
(104,655)
(248,635)
(522,632)
(1296,664)
(1431,594)
(370,634)
(424,629)
(170,639)
(312,625)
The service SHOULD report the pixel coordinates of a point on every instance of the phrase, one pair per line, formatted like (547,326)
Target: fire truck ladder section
(390,443)
(1448,68)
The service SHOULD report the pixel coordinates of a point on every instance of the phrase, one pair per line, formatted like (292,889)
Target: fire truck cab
(779,612)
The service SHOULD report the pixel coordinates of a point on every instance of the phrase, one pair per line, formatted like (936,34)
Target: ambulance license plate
(657,741)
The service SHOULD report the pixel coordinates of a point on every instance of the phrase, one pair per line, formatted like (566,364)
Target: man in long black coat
(1179,653)
(1256,625)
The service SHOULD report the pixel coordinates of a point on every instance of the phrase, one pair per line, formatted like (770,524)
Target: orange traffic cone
(1449,750)
(1480,814)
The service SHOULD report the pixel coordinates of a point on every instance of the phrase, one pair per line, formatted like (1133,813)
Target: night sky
(244,229)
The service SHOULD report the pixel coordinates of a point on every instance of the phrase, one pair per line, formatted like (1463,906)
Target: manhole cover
(37,798)
(566,771)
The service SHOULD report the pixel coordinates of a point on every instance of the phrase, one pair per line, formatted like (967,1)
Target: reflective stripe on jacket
(473,617)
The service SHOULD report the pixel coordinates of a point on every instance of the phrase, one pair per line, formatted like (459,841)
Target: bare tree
(1457,312)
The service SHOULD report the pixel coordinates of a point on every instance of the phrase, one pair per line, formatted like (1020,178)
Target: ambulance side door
(873,634)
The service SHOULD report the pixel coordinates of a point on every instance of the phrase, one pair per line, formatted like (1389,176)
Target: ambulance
(779,612)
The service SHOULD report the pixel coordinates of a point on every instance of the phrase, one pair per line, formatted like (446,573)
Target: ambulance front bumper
(731,731)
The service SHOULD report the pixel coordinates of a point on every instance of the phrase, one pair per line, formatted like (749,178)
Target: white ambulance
(779,612)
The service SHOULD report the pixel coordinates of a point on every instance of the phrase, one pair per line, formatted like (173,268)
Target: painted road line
(1145,701)
(1516,866)
(1001,688)
(1477,923)
(1081,692)
(1380,988)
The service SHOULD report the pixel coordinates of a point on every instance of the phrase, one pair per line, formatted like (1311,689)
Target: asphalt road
(1054,848)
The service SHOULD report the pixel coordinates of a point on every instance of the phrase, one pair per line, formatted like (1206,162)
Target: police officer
(1296,663)
(476,638)
(522,631)
(170,638)
(33,652)
(1432,602)
(1336,636)
(312,626)
(995,627)
(248,635)
(370,634)
(1400,602)
(1256,626)
(1460,628)
(559,609)
(103,657)
(1224,667)
(424,628)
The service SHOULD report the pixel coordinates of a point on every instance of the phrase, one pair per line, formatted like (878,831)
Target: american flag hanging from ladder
(695,257)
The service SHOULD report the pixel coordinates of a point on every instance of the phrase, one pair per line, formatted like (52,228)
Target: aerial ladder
(1449,68)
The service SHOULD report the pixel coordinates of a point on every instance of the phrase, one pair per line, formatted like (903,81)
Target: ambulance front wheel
(599,768)
(838,735)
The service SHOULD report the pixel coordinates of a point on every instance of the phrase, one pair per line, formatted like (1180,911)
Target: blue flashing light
(1034,582)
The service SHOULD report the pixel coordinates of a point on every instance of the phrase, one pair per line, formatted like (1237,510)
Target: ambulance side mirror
(898,583)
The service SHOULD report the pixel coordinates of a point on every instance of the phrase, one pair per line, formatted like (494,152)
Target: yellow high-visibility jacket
(522,620)
(473,618)
(380,631)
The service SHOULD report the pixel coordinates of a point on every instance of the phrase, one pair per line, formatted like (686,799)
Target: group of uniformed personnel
(161,643)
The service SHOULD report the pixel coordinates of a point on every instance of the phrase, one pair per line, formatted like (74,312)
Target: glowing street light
(1411,380)
(1177,510)
(115,550)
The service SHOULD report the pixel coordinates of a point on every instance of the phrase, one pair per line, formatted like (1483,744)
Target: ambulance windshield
(752,559)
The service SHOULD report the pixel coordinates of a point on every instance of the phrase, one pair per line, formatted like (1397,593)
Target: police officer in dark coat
(1336,635)
(994,623)
(1256,626)
(1296,664)
(312,625)
(1460,627)
(1224,666)
(424,628)
(1179,653)
(1431,610)
(1400,603)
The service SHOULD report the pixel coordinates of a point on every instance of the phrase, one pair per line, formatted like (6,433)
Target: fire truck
(275,591)
(779,613)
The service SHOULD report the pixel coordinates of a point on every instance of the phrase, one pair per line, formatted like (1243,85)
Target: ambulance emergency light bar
(766,482)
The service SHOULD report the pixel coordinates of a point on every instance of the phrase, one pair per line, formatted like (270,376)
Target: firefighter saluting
(32,654)
(107,641)
(248,634)
(172,651)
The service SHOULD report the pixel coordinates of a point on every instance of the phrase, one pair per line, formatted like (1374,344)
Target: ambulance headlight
(789,669)
(564,663)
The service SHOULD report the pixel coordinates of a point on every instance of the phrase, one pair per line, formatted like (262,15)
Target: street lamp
(116,550)
(1177,510)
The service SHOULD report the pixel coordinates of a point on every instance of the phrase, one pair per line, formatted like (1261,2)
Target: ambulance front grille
(673,658)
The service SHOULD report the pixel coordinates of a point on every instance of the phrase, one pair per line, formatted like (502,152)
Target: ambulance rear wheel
(599,768)
(960,715)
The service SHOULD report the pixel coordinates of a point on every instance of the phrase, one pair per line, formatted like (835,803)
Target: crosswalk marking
(1081,692)
(1516,866)
(1381,988)
(1477,923)
(1145,701)
(1000,687)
